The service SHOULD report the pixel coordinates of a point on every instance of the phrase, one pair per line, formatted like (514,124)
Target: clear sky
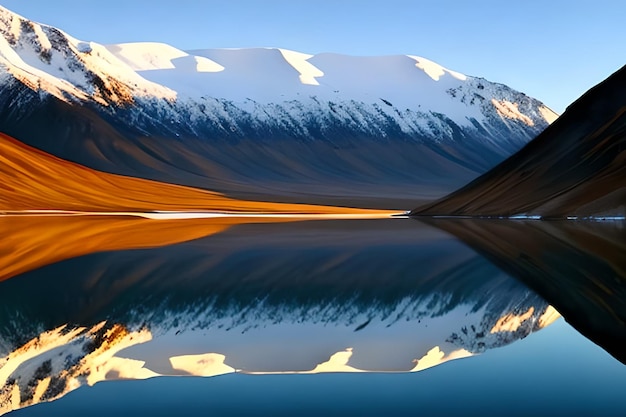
(553,50)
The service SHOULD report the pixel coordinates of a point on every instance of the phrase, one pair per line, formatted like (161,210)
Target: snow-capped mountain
(263,82)
(243,119)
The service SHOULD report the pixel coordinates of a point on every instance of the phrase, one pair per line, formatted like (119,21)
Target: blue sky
(552,50)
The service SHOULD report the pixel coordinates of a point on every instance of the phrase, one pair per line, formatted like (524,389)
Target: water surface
(325,317)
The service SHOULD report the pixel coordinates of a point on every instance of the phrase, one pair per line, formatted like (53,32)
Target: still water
(324,317)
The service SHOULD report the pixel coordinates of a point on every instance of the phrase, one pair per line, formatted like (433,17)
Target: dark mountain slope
(576,167)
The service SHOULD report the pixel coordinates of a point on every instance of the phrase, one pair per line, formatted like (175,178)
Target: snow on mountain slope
(159,56)
(270,75)
(47,59)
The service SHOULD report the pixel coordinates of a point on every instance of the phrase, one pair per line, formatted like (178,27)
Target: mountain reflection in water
(392,295)
(579,267)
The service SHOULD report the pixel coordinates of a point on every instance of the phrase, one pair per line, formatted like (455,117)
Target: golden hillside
(31,179)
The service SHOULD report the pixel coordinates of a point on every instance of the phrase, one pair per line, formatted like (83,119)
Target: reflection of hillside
(579,267)
(324,270)
(29,242)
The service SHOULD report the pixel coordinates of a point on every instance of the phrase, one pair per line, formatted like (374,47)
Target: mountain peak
(48,60)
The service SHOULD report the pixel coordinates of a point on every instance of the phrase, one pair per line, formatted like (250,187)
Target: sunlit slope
(576,167)
(33,180)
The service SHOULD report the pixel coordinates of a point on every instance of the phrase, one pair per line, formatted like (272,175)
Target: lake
(285,316)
